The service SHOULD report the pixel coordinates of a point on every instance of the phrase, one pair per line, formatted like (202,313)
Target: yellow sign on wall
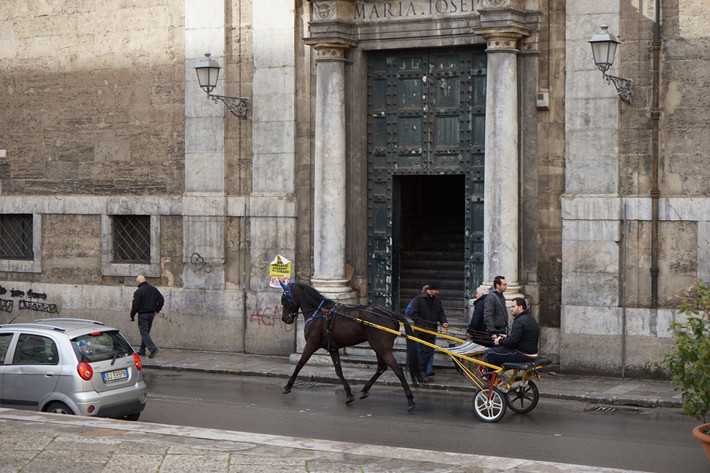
(279,270)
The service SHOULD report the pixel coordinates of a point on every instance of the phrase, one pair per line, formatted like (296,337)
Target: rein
(314,316)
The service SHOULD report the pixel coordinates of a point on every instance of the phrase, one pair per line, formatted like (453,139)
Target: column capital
(329,51)
(500,41)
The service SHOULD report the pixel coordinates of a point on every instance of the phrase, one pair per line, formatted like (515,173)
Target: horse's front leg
(335,356)
(308,350)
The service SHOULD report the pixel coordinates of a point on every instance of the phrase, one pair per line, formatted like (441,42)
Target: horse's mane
(314,297)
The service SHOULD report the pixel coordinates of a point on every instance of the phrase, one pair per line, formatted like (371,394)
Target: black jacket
(524,335)
(427,311)
(476,324)
(495,314)
(146,300)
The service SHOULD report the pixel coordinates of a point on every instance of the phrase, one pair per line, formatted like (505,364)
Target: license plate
(115,375)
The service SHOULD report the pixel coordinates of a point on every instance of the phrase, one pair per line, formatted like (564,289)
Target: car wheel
(133,417)
(58,408)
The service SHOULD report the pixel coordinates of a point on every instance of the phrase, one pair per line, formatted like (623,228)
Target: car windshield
(100,346)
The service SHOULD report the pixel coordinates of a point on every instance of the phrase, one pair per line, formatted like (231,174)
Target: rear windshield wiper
(116,355)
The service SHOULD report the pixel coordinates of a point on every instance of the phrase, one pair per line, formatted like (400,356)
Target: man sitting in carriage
(522,343)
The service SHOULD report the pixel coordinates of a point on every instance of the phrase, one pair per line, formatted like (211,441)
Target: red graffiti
(270,318)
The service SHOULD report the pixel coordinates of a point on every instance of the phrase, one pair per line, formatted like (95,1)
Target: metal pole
(655,118)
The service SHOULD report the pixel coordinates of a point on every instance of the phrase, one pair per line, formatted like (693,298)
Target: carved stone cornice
(493,4)
(331,22)
(506,17)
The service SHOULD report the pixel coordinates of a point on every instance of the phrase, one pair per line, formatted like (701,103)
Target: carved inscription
(409,9)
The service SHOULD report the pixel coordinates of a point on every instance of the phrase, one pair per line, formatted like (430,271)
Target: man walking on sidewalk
(147,303)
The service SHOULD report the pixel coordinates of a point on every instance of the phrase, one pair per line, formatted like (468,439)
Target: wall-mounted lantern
(207,74)
(604,49)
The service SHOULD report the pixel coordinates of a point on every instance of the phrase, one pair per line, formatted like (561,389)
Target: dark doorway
(426,142)
(431,233)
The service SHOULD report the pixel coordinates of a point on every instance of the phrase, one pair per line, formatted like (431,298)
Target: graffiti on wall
(36,295)
(270,317)
(199,263)
(6,305)
(38,306)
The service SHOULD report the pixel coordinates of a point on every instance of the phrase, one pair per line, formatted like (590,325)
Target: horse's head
(290,306)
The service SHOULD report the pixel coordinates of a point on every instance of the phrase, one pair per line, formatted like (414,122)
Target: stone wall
(607,210)
(91,98)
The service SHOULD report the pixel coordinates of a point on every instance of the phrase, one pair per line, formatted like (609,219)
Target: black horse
(331,326)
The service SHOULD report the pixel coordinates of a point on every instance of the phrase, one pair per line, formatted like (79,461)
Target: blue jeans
(499,355)
(426,354)
(145,322)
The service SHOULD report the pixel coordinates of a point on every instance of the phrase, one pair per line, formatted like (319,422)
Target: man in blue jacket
(522,343)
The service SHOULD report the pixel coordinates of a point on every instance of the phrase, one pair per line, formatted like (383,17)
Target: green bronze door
(426,117)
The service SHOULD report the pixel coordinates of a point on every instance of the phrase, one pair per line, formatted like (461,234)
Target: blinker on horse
(332,326)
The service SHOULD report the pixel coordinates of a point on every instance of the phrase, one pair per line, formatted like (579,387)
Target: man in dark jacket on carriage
(522,344)
(427,313)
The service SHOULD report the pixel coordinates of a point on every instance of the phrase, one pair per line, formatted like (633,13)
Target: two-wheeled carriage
(332,326)
(496,388)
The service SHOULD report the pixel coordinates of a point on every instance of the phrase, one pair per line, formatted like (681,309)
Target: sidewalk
(39,442)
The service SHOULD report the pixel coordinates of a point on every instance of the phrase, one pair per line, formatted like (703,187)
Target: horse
(332,326)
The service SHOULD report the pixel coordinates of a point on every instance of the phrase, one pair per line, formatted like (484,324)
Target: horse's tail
(412,350)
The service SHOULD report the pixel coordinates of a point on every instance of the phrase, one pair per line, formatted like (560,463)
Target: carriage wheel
(522,397)
(489,408)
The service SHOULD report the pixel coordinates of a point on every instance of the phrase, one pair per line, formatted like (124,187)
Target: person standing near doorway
(147,303)
(427,313)
(476,331)
(495,315)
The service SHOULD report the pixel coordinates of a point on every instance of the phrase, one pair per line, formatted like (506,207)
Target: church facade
(382,144)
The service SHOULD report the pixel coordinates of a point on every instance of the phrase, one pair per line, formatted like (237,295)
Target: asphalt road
(653,440)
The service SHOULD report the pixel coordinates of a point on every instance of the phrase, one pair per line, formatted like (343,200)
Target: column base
(336,289)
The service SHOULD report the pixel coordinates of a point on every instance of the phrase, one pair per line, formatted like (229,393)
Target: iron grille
(131,238)
(16,236)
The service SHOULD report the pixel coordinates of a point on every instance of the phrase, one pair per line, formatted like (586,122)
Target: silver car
(70,366)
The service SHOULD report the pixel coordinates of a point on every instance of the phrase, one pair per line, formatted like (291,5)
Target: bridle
(291,301)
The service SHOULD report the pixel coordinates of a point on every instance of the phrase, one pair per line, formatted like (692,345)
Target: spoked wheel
(489,408)
(522,397)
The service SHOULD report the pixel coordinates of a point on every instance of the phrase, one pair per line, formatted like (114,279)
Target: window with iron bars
(16,236)
(131,238)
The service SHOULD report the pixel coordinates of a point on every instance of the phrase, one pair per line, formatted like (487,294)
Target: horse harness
(329,316)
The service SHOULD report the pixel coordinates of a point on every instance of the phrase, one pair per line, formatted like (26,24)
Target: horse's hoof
(364,394)
(286,391)
(350,399)
(411,406)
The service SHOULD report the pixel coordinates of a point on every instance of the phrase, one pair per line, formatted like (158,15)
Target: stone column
(501,221)
(329,183)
